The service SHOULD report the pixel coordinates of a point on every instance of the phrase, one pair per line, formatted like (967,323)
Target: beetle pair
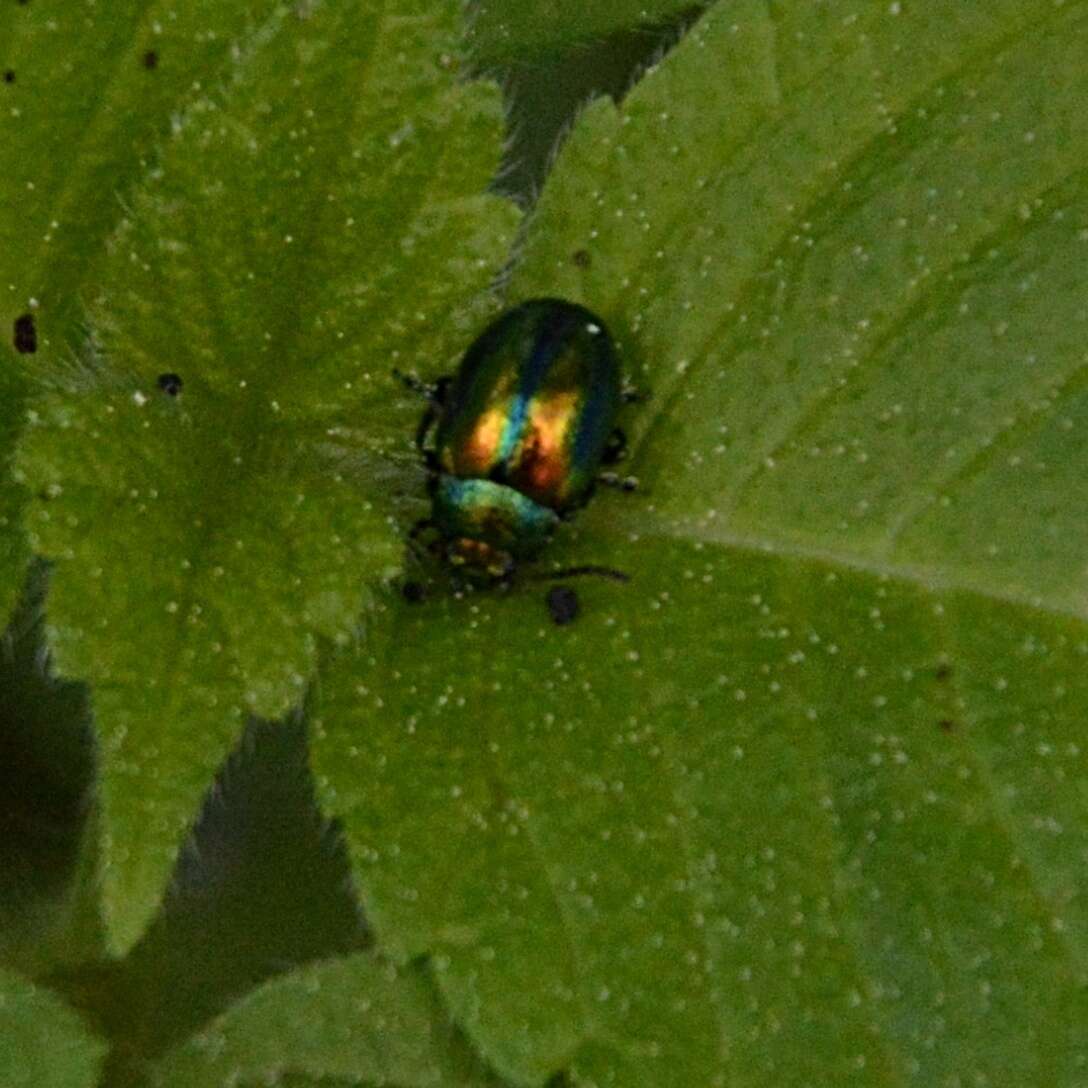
(519,437)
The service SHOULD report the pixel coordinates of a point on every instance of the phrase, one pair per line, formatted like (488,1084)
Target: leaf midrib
(931,580)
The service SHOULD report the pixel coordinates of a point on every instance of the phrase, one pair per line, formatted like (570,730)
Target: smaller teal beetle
(520,434)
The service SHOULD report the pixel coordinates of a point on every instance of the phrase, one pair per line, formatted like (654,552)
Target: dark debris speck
(25,338)
(413,592)
(170,384)
(562,604)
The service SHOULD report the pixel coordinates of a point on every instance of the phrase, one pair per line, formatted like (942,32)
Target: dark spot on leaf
(582,258)
(26,335)
(170,384)
(563,605)
(9,76)
(211,942)
(947,725)
(48,760)
(413,592)
(944,672)
(151,59)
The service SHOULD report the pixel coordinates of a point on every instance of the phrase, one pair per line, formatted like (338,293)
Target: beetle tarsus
(622,483)
(435,392)
(616,449)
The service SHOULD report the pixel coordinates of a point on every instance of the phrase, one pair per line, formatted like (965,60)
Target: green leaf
(516,29)
(322,220)
(804,803)
(43,1044)
(858,358)
(356,1018)
(81,111)
(14,552)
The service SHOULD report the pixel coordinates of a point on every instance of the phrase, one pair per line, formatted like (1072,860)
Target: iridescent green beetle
(520,434)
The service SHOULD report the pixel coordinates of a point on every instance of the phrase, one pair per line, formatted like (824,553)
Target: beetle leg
(616,449)
(502,569)
(426,422)
(440,391)
(415,592)
(416,547)
(436,394)
(614,479)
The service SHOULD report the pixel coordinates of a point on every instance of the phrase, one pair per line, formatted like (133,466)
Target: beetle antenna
(578,572)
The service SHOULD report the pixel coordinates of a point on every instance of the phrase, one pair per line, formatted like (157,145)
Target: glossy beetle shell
(532,407)
(507,521)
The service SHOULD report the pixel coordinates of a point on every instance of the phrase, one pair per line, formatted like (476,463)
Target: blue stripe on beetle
(514,442)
